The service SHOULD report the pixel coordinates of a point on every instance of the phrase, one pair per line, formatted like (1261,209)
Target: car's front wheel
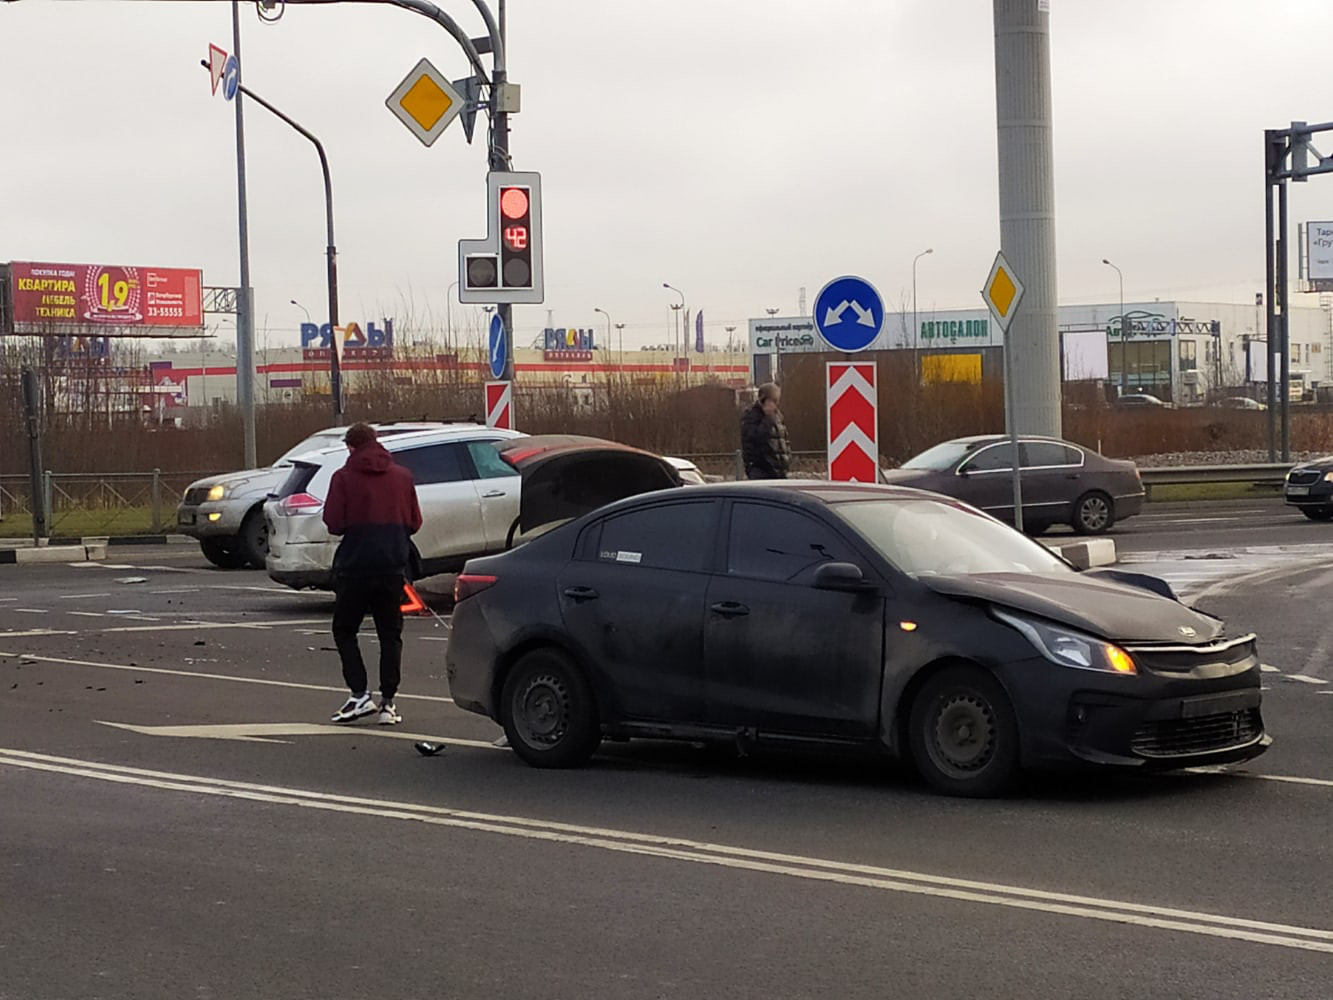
(963,733)
(1094,513)
(1318,513)
(548,711)
(223,552)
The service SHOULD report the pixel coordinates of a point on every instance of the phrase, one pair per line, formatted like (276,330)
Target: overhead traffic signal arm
(507,265)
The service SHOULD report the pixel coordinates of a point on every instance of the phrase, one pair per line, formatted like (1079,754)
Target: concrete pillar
(1027,205)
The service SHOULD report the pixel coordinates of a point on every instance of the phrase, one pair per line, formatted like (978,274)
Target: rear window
(298,480)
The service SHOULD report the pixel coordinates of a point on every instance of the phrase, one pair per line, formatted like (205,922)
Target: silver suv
(226,512)
(469,500)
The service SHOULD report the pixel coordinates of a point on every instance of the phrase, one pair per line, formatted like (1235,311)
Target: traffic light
(507,265)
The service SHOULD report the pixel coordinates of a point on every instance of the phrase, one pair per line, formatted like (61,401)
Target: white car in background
(225,513)
(480,490)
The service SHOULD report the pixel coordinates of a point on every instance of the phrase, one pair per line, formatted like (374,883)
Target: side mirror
(841,576)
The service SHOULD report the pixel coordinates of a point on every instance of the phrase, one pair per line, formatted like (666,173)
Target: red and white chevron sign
(853,421)
(500,405)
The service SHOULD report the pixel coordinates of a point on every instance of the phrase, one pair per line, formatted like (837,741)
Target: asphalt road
(177,820)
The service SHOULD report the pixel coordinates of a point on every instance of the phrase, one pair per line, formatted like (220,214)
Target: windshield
(323,439)
(941,458)
(933,537)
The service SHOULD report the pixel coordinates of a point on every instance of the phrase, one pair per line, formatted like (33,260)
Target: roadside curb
(1087,553)
(53,554)
(66,540)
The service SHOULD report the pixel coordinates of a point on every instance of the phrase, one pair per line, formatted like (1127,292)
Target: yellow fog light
(1120,661)
(214,517)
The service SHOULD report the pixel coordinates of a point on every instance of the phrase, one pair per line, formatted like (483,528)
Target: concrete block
(1088,553)
(53,554)
(95,553)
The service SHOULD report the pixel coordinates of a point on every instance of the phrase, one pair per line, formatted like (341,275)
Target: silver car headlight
(1070,648)
(217,492)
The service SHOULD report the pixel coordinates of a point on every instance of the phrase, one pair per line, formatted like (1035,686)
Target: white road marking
(214,625)
(177,590)
(434,638)
(31,633)
(6,600)
(1305,678)
(699,852)
(88,614)
(30,611)
(271,732)
(198,675)
(1266,668)
(79,597)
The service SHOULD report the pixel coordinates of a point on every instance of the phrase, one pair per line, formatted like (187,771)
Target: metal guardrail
(1263,473)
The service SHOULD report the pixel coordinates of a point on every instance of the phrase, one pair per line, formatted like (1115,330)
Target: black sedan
(853,616)
(1309,487)
(1063,483)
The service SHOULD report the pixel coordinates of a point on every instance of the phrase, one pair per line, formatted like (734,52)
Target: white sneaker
(356,707)
(389,714)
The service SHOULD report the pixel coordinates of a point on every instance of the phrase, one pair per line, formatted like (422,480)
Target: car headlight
(217,492)
(1069,648)
(1328,477)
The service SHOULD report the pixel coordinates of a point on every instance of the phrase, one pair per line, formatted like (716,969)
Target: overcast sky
(739,149)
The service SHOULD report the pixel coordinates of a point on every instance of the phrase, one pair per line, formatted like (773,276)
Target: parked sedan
(841,615)
(1063,483)
(1309,487)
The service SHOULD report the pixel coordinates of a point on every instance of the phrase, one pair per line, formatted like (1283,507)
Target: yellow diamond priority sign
(425,102)
(1002,292)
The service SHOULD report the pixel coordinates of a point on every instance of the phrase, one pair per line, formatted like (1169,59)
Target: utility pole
(499,160)
(1027,206)
(245,307)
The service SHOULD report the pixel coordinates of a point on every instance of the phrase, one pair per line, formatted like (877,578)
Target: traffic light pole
(498,157)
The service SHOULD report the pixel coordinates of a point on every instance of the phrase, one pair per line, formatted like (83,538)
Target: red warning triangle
(412,602)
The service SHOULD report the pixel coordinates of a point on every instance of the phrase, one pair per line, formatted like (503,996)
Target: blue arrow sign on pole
(849,314)
(497,347)
(231,77)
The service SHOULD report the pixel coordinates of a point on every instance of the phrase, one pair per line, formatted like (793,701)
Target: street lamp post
(675,308)
(777,347)
(597,309)
(1124,332)
(335,363)
(915,326)
(449,316)
(620,330)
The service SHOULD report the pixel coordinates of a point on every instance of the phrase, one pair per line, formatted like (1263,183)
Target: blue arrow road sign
(849,313)
(497,347)
(231,77)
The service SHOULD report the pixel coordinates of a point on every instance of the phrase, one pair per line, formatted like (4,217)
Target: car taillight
(469,584)
(300,503)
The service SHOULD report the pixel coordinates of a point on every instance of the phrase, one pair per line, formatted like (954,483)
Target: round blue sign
(231,77)
(497,350)
(849,314)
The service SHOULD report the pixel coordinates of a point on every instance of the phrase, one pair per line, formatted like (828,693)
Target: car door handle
(729,609)
(581,593)
(493,493)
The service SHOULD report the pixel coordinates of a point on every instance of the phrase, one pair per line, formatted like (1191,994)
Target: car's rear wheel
(223,552)
(1318,513)
(1094,513)
(548,711)
(252,539)
(963,733)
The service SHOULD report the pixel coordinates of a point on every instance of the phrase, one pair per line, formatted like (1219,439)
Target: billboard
(112,300)
(371,344)
(1319,251)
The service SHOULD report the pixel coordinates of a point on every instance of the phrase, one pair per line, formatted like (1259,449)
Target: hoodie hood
(371,459)
(1103,607)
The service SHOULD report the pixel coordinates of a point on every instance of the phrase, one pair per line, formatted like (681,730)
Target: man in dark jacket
(372,503)
(764,445)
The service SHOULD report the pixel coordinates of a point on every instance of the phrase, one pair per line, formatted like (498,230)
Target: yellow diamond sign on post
(425,102)
(1002,292)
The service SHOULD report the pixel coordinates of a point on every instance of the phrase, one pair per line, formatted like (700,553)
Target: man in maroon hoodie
(372,503)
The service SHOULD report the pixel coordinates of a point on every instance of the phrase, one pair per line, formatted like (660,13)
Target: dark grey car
(1063,483)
